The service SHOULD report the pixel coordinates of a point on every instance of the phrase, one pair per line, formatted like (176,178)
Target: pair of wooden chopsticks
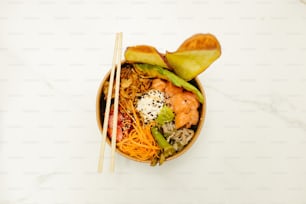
(116,63)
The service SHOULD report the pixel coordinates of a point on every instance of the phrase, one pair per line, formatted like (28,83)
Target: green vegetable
(166,148)
(165,115)
(189,64)
(157,71)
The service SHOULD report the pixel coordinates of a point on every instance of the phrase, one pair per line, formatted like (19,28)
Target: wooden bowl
(100,108)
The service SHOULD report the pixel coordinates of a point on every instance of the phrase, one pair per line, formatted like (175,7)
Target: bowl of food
(161,105)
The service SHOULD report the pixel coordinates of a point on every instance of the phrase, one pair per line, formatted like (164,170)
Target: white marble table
(53,55)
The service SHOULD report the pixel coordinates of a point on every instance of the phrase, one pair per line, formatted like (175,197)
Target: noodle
(132,85)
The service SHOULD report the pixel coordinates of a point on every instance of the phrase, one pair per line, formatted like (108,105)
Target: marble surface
(53,55)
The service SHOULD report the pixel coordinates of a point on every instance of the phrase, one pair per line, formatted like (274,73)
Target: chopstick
(116,103)
(116,60)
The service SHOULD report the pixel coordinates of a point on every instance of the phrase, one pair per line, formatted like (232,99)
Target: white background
(53,55)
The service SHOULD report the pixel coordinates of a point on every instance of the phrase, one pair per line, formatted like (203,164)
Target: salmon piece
(184,102)
(172,90)
(191,100)
(159,84)
(178,103)
(186,119)
(181,119)
(194,118)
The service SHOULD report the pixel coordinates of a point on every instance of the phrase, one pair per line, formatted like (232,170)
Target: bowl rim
(178,154)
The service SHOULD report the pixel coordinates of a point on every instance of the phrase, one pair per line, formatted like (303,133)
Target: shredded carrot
(139,143)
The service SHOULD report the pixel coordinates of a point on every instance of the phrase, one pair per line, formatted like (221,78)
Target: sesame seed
(150,103)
